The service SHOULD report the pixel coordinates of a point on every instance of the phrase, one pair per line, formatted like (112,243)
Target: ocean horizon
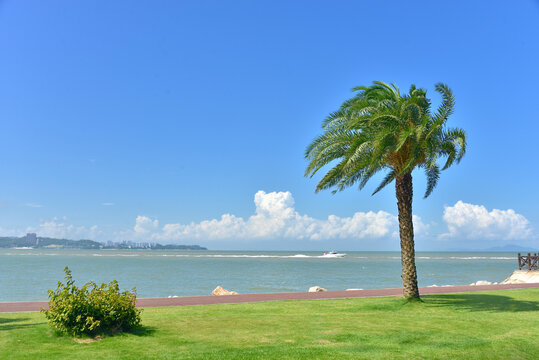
(27,274)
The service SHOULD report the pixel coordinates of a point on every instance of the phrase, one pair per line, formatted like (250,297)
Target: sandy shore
(243,298)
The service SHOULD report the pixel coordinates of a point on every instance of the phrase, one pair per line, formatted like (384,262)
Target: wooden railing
(531,262)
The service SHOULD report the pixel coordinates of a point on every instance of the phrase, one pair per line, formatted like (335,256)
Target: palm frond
(391,175)
(433,174)
(445,109)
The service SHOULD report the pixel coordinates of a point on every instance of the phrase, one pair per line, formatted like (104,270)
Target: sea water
(27,274)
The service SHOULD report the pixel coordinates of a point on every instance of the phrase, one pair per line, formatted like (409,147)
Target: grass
(482,325)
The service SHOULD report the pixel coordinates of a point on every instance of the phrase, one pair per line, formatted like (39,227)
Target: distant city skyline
(178,122)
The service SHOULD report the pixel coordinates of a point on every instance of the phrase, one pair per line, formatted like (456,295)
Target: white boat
(333,254)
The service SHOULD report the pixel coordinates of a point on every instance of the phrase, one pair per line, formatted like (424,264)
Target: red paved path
(234,299)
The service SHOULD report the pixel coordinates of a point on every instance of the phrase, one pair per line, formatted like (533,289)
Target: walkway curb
(246,298)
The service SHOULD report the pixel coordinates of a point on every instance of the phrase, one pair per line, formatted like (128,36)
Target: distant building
(32,238)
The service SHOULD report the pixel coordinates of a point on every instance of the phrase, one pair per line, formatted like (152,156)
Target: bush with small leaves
(91,309)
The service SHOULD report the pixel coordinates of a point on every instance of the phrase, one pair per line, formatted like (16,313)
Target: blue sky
(163,120)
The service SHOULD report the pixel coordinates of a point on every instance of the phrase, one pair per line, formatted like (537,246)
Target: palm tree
(380,129)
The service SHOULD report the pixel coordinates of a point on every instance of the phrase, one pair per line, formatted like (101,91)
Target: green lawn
(482,325)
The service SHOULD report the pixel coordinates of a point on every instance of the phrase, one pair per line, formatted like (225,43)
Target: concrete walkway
(234,299)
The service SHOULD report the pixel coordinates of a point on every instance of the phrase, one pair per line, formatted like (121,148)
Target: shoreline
(34,306)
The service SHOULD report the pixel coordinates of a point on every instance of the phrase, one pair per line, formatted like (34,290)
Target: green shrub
(91,310)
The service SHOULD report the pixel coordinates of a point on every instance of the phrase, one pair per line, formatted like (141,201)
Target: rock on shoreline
(219,291)
(316,289)
(483,282)
(522,277)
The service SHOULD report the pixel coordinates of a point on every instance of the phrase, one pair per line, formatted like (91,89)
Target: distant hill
(44,242)
(35,242)
(510,247)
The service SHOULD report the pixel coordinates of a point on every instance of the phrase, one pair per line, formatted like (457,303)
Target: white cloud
(469,221)
(144,225)
(107,204)
(58,228)
(419,226)
(275,218)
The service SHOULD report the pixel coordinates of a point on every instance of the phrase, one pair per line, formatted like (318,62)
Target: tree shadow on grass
(6,321)
(143,331)
(13,324)
(140,330)
(481,302)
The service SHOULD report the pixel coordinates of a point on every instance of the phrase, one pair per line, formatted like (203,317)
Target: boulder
(481,282)
(219,291)
(522,277)
(316,289)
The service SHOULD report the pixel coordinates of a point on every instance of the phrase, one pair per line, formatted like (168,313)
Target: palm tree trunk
(404,191)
